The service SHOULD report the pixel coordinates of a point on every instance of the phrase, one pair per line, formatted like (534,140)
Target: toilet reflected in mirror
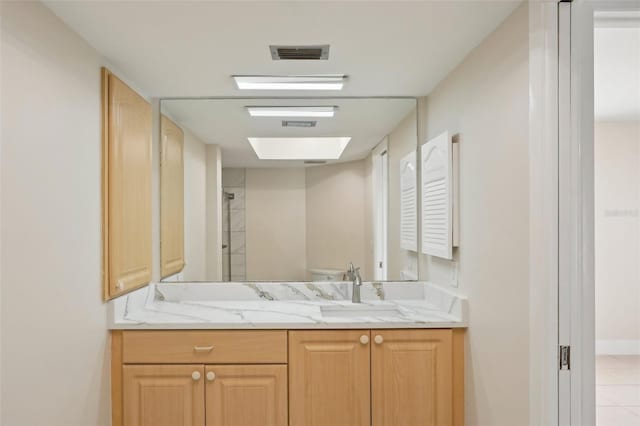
(291,189)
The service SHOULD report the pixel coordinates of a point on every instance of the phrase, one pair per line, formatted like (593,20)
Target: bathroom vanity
(246,354)
(293,352)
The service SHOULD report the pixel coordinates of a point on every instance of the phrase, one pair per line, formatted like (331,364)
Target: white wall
(402,141)
(336,225)
(275,224)
(617,236)
(195,207)
(54,325)
(485,100)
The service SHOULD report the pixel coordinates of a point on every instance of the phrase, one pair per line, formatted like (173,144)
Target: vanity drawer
(204,346)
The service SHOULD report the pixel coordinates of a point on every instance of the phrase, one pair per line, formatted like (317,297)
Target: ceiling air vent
(314,53)
(299,123)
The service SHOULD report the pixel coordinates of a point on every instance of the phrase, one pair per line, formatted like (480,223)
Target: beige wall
(213,244)
(336,226)
(485,101)
(54,325)
(275,224)
(617,235)
(402,141)
(195,207)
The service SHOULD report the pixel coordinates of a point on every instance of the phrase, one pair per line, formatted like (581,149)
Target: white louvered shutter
(408,203)
(437,197)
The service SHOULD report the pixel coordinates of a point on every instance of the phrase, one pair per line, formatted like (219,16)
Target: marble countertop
(304,305)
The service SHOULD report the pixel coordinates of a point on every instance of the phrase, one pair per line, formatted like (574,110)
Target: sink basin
(356,310)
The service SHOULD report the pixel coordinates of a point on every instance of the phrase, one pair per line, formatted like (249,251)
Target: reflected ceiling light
(298,111)
(322,148)
(292,82)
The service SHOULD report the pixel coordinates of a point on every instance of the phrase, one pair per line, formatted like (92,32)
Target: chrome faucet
(354,275)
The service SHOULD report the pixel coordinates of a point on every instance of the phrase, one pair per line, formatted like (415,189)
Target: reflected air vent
(315,162)
(287,53)
(299,123)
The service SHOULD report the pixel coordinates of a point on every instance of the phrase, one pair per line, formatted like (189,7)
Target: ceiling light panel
(299,82)
(289,112)
(320,148)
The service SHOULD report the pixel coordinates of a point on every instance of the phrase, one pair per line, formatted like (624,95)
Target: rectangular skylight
(321,148)
(293,82)
(288,112)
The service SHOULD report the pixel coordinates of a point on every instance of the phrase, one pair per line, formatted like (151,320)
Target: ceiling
(191,48)
(227,123)
(617,72)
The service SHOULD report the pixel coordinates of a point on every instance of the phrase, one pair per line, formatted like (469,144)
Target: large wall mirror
(288,189)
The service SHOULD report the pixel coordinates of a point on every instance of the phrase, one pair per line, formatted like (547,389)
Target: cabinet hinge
(565,357)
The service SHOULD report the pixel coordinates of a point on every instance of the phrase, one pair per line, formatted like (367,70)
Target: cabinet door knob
(120,285)
(364,339)
(211,376)
(378,339)
(195,375)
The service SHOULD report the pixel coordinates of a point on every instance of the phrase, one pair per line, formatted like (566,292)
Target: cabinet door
(246,395)
(127,188)
(411,374)
(329,378)
(163,395)
(171,198)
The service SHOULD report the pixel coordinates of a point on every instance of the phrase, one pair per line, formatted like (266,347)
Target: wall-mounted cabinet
(171,198)
(126,179)
(300,377)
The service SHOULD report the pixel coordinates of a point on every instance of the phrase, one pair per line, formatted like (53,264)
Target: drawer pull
(203,348)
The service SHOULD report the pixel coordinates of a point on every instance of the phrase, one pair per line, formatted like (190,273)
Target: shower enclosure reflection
(236,245)
(275,191)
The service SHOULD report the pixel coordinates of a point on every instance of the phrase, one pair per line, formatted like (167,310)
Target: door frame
(576,214)
(561,213)
(380,177)
(561,169)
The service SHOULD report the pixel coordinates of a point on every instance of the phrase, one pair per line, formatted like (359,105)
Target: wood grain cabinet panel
(163,395)
(171,198)
(329,378)
(300,377)
(411,377)
(126,188)
(204,347)
(246,395)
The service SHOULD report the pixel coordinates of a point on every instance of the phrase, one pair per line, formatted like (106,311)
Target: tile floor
(618,390)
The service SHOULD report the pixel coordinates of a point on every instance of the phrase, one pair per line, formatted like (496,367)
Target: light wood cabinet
(163,395)
(246,395)
(278,378)
(126,180)
(171,198)
(205,347)
(329,378)
(411,375)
